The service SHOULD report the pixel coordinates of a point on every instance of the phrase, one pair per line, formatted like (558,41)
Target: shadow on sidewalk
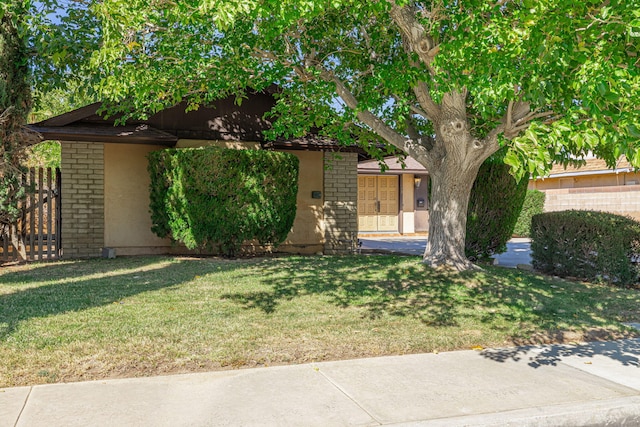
(627,352)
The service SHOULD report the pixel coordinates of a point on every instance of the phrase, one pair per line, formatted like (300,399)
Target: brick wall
(340,202)
(621,200)
(82,196)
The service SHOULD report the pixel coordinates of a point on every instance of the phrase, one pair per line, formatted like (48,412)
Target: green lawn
(92,319)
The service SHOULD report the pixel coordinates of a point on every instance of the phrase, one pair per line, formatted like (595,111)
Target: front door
(377,203)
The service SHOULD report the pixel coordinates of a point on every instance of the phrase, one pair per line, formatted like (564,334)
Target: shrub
(494,206)
(533,205)
(594,246)
(214,198)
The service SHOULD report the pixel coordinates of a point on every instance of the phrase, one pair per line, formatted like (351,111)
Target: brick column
(340,202)
(82,197)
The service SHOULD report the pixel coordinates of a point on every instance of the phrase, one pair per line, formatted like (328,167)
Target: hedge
(495,203)
(589,245)
(533,205)
(215,198)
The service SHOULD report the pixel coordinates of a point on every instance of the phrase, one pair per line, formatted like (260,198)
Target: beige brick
(83,199)
(340,177)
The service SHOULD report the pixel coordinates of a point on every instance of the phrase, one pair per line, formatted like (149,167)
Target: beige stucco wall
(407,204)
(126,210)
(422,213)
(128,222)
(307,234)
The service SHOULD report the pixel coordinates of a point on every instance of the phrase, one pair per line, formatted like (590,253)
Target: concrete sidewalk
(564,385)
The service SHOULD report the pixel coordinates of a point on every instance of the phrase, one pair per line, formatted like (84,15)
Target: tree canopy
(448,82)
(571,62)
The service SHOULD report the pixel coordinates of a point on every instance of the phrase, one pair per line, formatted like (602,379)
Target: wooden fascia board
(71,116)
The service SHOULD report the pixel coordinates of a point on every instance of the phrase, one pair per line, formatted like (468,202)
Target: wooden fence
(36,234)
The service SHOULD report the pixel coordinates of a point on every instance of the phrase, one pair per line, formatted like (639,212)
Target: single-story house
(394,201)
(592,186)
(105,183)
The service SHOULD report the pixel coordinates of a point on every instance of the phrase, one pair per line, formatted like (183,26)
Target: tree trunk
(453,166)
(450,191)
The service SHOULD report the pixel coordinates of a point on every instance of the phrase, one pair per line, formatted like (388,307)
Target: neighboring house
(395,201)
(592,186)
(105,183)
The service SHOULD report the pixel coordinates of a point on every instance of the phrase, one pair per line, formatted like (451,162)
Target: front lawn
(93,319)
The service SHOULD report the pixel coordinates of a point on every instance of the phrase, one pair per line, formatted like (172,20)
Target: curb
(619,412)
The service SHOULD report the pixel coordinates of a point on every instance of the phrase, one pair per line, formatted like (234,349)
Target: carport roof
(136,134)
(221,121)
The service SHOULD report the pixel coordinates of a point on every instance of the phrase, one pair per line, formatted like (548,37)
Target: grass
(94,319)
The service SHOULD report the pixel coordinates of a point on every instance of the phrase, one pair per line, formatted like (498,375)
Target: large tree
(447,82)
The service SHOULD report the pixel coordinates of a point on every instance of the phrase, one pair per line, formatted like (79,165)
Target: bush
(214,198)
(533,205)
(594,246)
(494,206)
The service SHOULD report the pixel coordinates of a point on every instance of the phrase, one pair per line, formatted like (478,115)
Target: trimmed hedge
(533,205)
(215,198)
(589,245)
(494,206)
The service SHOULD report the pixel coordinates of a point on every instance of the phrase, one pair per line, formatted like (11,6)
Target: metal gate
(36,234)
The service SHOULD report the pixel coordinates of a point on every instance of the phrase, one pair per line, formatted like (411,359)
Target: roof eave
(118,135)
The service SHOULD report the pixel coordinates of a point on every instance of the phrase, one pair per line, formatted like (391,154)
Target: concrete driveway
(518,249)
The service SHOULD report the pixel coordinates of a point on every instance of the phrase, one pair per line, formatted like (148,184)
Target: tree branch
(417,38)
(414,108)
(365,116)
(413,148)
(411,130)
(431,109)
(517,119)
(509,112)
(418,111)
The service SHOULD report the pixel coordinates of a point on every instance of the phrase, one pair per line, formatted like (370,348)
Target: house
(105,183)
(394,201)
(592,186)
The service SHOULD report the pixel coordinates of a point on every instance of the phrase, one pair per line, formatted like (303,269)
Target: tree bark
(450,191)
(453,165)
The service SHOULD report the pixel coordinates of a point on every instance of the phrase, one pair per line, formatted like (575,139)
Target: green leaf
(602,88)
(633,130)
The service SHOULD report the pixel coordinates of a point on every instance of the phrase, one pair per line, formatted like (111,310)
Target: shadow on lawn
(388,285)
(346,285)
(78,286)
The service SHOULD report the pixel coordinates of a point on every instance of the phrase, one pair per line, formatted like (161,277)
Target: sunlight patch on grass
(153,315)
